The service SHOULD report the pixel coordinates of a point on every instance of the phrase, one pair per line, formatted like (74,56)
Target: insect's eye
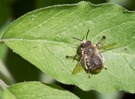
(83,45)
(89,42)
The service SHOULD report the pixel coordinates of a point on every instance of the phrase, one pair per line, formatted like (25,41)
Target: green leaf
(5,74)
(44,38)
(1,93)
(36,90)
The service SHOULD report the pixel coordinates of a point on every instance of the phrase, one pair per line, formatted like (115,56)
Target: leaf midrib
(62,43)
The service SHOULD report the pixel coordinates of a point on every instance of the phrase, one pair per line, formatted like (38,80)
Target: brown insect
(88,56)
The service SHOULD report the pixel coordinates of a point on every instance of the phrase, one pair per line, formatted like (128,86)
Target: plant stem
(3,85)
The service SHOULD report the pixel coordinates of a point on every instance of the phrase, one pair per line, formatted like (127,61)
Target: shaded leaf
(36,90)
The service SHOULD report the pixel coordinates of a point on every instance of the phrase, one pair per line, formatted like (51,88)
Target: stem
(3,85)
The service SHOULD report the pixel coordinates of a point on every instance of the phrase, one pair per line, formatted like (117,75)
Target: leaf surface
(44,38)
(36,90)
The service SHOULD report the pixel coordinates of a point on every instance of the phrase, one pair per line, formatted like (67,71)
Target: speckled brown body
(92,58)
(88,56)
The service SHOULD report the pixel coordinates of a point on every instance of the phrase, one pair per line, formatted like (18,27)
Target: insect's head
(84,42)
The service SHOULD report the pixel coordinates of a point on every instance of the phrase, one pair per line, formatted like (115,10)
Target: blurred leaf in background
(20,68)
(5,20)
(128,4)
(5,10)
(1,93)
(37,90)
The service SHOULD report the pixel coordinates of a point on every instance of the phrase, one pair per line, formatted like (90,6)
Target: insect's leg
(105,67)
(88,72)
(69,57)
(85,65)
(87,69)
(76,57)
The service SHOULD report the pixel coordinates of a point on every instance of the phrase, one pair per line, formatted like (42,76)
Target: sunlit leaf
(44,38)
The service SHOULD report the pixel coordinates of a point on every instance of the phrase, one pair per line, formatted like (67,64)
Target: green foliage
(4,22)
(1,93)
(36,90)
(44,38)
(5,11)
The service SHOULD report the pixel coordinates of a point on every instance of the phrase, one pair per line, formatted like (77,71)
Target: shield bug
(89,56)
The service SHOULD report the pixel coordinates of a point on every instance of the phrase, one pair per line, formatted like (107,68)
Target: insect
(88,56)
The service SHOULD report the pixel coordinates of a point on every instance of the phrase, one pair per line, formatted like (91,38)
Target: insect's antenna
(87,34)
(82,38)
(77,39)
